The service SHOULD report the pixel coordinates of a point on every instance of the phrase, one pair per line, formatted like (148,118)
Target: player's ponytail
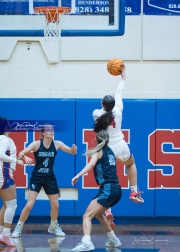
(102,139)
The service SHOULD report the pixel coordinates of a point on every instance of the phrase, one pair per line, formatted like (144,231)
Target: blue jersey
(105,168)
(44,160)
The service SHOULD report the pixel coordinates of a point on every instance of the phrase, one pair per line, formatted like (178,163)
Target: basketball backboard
(87,17)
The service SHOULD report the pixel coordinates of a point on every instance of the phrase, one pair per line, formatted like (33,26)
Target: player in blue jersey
(8,161)
(45,151)
(109,118)
(103,163)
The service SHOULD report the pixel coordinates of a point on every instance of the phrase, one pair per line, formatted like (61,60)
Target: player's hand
(74,180)
(21,155)
(124,73)
(28,160)
(20,162)
(74,149)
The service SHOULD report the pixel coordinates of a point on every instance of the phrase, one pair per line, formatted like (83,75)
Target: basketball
(115,66)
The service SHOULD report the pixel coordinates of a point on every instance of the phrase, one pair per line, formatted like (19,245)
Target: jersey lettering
(43,170)
(46,154)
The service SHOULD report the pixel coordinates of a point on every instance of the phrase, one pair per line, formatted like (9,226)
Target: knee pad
(11,206)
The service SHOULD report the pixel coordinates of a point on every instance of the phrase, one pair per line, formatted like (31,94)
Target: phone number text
(92,10)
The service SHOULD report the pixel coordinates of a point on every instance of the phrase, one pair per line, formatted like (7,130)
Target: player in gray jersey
(45,151)
(103,162)
(110,118)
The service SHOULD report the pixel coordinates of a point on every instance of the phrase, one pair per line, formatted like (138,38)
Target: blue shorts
(109,195)
(7,183)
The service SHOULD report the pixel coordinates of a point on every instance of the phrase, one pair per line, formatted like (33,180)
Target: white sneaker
(17,232)
(56,230)
(83,247)
(113,243)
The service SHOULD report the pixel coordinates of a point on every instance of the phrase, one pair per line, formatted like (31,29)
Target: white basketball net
(53,26)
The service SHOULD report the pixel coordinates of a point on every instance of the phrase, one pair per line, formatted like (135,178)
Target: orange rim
(52,12)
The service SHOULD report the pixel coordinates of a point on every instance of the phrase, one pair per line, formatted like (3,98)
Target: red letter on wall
(157,156)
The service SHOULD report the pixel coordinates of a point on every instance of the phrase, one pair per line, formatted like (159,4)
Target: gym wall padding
(152,130)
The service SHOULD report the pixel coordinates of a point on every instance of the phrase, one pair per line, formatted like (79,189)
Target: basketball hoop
(52,22)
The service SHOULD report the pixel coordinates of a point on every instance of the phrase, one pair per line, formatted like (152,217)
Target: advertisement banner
(163,7)
(132,7)
(25,7)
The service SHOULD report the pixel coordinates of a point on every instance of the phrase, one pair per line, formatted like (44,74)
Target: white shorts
(121,150)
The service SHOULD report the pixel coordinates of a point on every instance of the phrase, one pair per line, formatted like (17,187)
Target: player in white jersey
(8,163)
(110,118)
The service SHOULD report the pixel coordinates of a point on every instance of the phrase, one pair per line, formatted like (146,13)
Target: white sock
(20,224)
(133,188)
(108,211)
(6,231)
(54,223)
(111,235)
(86,238)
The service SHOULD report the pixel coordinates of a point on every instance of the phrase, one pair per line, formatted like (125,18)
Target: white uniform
(116,137)
(7,161)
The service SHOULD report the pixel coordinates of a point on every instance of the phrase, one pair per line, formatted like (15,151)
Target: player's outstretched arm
(61,146)
(32,147)
(118,92)
(87,168)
